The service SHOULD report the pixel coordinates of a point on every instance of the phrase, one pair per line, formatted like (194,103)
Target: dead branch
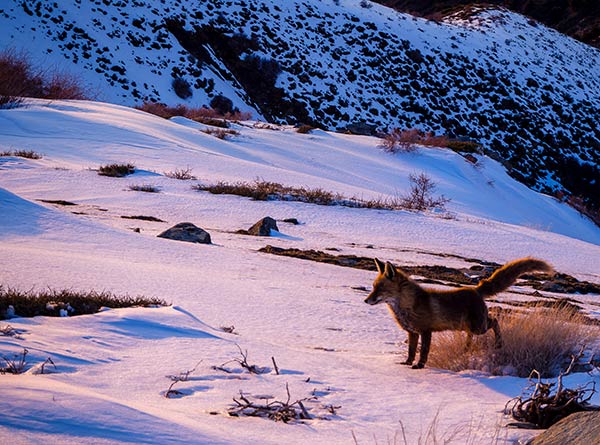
(181,377)
(543,408)
(243,362)
(276,410)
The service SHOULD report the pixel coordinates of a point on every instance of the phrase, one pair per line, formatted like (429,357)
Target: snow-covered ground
(112,366)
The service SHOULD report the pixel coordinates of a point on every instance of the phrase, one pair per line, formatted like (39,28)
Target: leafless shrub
(406,141)
(276,410)
(19,78)
(183,174)
(200,114)
(65,85)
(421,196)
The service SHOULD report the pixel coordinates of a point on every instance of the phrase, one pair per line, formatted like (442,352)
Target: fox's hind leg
(495,326)
(413,340)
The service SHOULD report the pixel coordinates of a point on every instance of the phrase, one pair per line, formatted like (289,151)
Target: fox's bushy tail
(504,277)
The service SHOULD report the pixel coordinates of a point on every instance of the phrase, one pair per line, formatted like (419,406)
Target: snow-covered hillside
(109,380)
(528,94)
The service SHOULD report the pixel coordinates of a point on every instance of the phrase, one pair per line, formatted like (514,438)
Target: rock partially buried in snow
(188,232)
(582,428)
(263,227)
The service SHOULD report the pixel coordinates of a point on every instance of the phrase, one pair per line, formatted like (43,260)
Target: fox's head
(387,285)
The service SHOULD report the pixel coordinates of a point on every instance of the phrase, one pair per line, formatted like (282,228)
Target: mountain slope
(113,368)
(528,94)
(579,19)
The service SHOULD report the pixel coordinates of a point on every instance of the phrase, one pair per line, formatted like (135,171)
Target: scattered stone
(188,232)
(293,221)
(581,428)
(263,227)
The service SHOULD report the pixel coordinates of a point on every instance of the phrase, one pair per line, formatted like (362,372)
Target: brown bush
(541,338)
(406,141)
(19,78)
(205,115)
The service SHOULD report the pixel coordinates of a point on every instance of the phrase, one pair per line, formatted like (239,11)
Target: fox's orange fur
(421,311)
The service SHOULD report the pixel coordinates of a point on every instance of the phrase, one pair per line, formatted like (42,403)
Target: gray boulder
(582,428)
(263,227)
(188,232)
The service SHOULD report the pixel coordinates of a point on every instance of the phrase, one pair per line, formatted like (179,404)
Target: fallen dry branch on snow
(243,362)
(542,408)
(181,377)
(275,410)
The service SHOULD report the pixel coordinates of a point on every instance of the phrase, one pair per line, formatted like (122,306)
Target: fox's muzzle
(372,299)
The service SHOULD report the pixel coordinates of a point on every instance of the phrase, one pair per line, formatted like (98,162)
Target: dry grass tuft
(29,154)
(541,338)
(221,133)
(59,302)
(116,170)
(147,188)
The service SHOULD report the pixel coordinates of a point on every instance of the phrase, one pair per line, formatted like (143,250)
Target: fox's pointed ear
(380,266)
(390,271)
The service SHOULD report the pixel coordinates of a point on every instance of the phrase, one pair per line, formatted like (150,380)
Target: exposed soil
(559,283)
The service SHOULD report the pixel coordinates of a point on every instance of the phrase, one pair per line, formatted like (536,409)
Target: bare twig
(243,362)
(275,366)
(48,361)
(181,377)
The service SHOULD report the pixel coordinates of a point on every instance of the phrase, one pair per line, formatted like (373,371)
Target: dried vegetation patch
(65,302)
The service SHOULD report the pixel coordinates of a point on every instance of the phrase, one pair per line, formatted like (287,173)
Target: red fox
(421,311)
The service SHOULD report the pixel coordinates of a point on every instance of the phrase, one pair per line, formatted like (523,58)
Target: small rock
(263,227)
(188,232)
(293,221)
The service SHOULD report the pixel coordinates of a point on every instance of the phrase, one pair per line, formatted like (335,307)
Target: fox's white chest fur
(404,317)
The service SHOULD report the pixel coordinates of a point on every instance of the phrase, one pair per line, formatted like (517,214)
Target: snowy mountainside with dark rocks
(528,94)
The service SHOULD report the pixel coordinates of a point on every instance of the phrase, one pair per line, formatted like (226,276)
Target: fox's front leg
(413,340)
(425,345)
